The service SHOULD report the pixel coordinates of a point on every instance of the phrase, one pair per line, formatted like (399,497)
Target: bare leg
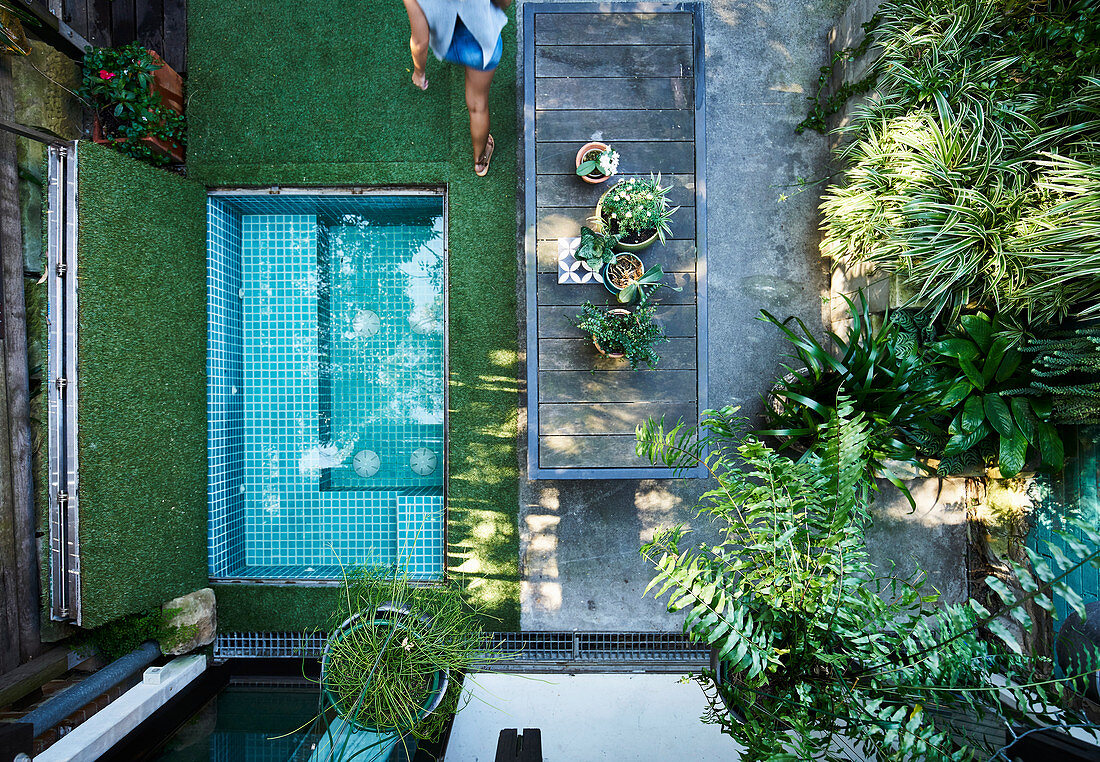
(418,42)
(477,102)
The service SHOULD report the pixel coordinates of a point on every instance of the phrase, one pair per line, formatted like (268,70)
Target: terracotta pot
(593,146)
(601,350)
(621,245)
(169,84)
(639,270)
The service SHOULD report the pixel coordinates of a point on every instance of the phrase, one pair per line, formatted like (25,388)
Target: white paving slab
(640,717)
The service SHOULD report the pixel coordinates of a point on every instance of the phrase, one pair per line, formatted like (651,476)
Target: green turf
(142,385)
(281,93)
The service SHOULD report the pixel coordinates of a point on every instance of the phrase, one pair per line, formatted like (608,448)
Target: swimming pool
(326,365)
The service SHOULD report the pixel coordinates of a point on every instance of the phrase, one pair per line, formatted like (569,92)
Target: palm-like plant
(886,384)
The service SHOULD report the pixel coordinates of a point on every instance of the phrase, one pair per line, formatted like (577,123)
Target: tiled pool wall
(299,385)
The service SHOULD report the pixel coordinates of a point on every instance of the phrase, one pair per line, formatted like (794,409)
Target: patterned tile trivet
(571,269)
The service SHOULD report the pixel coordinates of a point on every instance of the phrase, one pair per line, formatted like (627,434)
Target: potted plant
(391,662)
(621,333)
(596,162)
(138,102)
(596,248)
(637,211)
(621,271)
(641,288)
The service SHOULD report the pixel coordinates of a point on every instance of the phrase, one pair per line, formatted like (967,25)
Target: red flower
(104,74)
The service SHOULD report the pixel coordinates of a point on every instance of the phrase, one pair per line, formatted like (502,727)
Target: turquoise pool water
(326,396)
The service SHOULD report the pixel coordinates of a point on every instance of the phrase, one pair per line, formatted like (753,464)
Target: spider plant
(388,646)
(889,386)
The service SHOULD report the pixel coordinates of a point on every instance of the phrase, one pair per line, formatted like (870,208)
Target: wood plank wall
(157,24)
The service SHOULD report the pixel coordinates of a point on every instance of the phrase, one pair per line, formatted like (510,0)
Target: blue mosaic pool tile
(289,397)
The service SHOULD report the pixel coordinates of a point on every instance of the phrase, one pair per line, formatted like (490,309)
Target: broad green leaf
(960,349)
(1050,446)
(972,373)
(998,415)
(980,330)
(1009,364)
(962,442)
(1025,419)
(1001,630)
(1013,450)
(973,413)
(1042,406)
(956,393)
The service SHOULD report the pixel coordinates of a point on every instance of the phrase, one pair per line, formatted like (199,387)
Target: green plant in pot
(637,211)
(394,654)
(992,415)
(597,248)
(640,289)
(622,333)
(130,114)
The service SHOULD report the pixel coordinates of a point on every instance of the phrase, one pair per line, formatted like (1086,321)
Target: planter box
(169,84)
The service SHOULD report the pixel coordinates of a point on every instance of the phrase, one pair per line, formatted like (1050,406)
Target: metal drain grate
(532,650)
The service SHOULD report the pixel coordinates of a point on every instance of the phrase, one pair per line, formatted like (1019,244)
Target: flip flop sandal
(424,84)
(489,146)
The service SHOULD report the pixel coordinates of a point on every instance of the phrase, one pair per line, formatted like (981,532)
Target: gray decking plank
(566,221)
(557,322)
(635,158)
(603,60)
(550,292)
(611,418)
(579,354)
(615,386)
(619,93)
(621,28)
(674,255)
(585,125)
(570,190)
(608,451)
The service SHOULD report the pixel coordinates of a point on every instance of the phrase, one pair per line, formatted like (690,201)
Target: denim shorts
(466,51)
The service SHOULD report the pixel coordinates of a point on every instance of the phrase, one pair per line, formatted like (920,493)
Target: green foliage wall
(142,385)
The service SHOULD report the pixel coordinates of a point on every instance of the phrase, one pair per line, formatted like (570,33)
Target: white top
(481,17)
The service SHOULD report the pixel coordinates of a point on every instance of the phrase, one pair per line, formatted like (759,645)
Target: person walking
(467,33)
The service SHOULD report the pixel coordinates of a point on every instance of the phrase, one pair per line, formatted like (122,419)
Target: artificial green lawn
(281,93)
(142,385)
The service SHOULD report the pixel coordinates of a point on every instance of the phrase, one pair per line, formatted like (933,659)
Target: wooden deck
(632,78)
(157,24)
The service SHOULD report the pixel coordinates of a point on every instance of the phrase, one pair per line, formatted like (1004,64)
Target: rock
(190,622)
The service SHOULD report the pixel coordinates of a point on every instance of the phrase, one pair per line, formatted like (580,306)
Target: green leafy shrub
(116,82)
(983,370)
(814,642)
(633,334)
(973,175)
(875,370)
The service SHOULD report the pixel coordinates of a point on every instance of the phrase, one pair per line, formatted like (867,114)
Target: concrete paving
(641,718)
(579,560)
